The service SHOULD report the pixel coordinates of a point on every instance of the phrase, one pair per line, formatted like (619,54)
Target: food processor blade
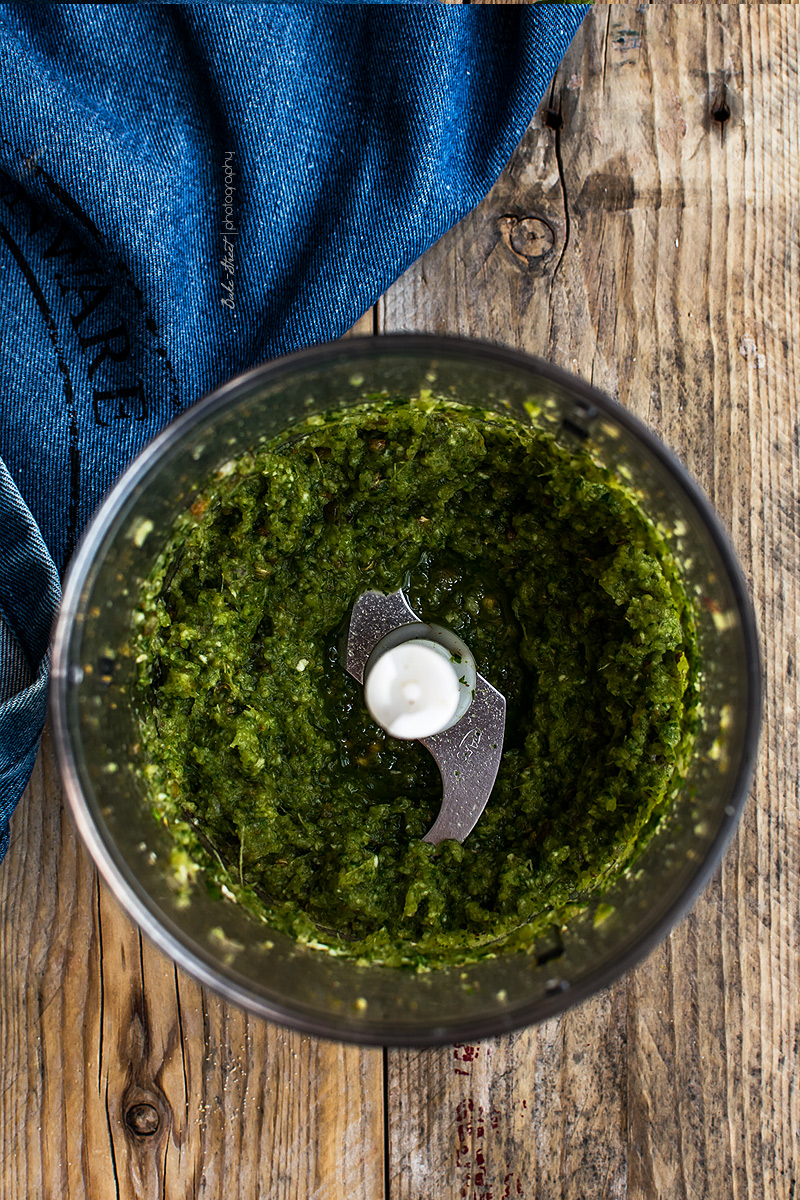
(466,752)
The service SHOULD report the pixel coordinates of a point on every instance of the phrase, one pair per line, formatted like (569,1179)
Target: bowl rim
(112,867)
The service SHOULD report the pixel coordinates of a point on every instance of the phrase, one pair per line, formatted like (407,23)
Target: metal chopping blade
(468,753)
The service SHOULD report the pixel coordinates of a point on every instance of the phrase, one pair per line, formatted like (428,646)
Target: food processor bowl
(101,758)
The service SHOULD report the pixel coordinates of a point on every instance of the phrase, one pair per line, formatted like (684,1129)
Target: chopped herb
(542,561)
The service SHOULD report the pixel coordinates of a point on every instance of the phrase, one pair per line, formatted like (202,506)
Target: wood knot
(143,1120)
(528,238)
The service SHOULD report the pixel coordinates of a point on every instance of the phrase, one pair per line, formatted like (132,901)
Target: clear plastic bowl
(263,970)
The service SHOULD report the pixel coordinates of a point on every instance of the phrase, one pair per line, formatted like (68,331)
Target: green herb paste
(264,761)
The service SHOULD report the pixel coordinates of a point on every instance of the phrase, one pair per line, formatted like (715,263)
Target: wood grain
(645,235)
(648,241)
(123,1078)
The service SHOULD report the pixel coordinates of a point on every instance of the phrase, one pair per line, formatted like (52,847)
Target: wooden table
(646,235)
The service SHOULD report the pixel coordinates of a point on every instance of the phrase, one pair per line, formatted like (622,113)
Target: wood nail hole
(720,109)
(143,1120)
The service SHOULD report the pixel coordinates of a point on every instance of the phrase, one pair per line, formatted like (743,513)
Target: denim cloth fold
(29,596)
(186,190)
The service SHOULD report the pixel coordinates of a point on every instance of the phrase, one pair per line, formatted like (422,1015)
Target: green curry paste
(264,761)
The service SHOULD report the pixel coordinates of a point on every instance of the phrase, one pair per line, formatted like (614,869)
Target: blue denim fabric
(187,190)
(29,596)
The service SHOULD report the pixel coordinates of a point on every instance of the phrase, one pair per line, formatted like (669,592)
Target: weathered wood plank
(679,1082)
(122,1077)
(651,246)
(364,326)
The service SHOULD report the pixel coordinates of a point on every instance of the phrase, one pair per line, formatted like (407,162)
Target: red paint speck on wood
(470,1155)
